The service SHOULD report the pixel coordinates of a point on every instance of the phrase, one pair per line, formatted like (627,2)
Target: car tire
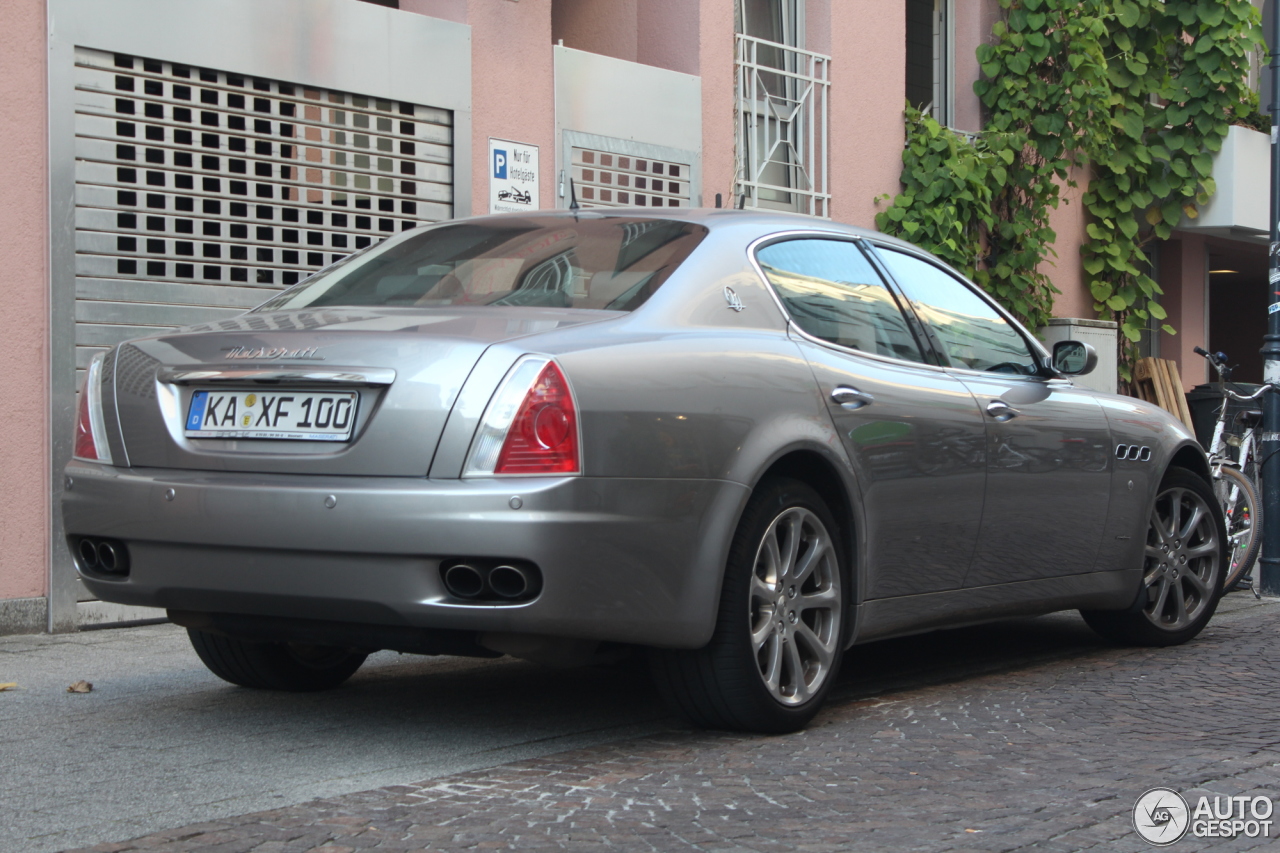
(779,634)
(275,666)
(1184,563)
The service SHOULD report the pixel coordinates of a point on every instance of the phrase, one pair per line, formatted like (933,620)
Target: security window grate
(200,192)
(604,179)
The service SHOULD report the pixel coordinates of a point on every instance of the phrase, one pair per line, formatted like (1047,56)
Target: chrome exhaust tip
(87,551)
(509,582)
(109,557)
(464,581)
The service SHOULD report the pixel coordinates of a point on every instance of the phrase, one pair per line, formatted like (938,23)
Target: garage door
(200,193)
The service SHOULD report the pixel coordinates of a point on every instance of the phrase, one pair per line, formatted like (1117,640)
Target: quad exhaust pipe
(492,580)
(510,582)
(109,556)
(464,581)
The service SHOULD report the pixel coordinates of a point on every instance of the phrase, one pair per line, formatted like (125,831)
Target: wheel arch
(1190,457)
(836,487)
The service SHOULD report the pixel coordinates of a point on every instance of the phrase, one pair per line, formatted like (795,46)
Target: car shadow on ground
(956,654)
(472,702)
(508,698)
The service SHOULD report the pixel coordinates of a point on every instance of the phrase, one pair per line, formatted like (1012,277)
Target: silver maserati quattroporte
(740,442)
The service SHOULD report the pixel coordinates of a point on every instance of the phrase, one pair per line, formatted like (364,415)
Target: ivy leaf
(1153,216)
(1127,13)
(1157,310)
(1211,14)
(1117,303)
(1130,122)
(1119,76)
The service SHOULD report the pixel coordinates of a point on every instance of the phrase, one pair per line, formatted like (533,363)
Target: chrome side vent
(1133,452)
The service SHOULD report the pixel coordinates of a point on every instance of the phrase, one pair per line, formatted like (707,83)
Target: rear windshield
(604,262)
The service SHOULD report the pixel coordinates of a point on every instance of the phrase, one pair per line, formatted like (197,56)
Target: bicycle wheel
(1242,509)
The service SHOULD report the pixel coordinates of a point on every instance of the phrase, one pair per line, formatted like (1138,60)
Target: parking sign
(513,176)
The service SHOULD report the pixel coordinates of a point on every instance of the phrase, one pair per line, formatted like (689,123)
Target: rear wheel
(1242,509)
(293,667)
(778,638)
(1184,563)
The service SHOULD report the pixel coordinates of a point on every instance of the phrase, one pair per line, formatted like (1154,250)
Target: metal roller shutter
(609,179)
(199,192)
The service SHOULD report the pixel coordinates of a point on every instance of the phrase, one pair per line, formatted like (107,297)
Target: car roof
(762,221)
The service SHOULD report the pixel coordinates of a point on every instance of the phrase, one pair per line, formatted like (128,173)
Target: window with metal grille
(605,179)
(201,192)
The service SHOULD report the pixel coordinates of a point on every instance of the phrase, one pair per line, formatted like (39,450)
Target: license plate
(293,415)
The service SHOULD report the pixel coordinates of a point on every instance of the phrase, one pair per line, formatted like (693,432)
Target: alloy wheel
(795,606)
(1183,559)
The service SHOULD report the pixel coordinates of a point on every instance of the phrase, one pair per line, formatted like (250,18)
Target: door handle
(1001,411)
(851,398)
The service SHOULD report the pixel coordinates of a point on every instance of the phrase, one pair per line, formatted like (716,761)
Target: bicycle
(1236,473)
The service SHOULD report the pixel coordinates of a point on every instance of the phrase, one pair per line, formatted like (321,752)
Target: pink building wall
(24,308)
(868,94)
(667,34)
(609,29)
(663,33)
(1067,270)
(715,59)
(1184,279)
(973,22)
(512,86)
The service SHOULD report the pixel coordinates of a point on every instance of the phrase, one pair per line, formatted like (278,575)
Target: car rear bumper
(624,560)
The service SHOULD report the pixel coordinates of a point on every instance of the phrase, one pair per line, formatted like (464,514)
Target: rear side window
(832,292)
(970,332)
(604,262)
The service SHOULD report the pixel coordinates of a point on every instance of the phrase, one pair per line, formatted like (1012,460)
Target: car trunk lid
(400,370)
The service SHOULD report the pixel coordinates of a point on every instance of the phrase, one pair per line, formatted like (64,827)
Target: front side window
(608,262)
(971,334)
(832,292)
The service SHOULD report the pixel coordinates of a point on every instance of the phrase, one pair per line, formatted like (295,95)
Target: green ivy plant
(1137,94)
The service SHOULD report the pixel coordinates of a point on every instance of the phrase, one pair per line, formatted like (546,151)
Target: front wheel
(1184,563)
(778,639)
(294,667)
(1242,509)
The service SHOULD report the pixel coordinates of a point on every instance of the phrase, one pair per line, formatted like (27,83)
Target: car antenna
(573,199)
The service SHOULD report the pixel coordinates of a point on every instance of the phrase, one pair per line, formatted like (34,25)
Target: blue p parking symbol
(499,163)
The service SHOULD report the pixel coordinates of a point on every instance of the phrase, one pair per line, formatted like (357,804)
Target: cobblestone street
(1028,734)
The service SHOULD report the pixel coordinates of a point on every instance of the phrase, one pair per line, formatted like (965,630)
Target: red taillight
(84,448)
(543,438)
(91,437)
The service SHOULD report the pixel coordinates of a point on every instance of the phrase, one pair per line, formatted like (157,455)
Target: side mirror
(1074,358)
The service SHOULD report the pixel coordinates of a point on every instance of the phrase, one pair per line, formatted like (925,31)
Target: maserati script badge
(274,352)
